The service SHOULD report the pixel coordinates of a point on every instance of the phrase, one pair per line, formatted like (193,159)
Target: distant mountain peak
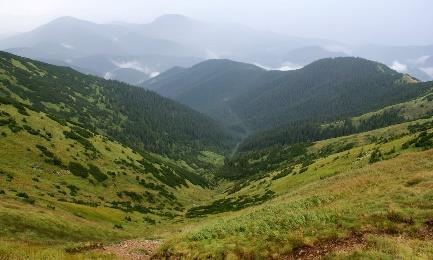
(173,19)
(67,20)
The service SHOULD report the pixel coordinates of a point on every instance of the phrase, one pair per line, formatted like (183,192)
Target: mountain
(306,55)
(170,40)
(133,116)
(87,162)
(208,86)
(259,99)
(405,59)
(67,34)
(320,197)
(61,41)
(224,41)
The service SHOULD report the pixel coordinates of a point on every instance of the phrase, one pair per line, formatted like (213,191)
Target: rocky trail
(132,249)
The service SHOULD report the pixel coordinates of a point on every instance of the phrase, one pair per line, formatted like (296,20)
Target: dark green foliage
(118,226)
(375,156)
(73,189)
(149,220)
(132,195)
(86,143)
(418,127)
(260,161)
(307,131)
(173,175)
(133,116)
(44,150)
(283,173)
(13,126)
(78,170)
(23,195)
(52,159)
(423,140)
(325,90)
(229,204)
(97,173)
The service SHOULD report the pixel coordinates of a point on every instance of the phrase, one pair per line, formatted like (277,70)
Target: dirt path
(354,241)
(132,249)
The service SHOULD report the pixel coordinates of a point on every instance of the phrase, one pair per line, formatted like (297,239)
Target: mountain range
(182,139)
(339,147)
(134,53)
(246,96)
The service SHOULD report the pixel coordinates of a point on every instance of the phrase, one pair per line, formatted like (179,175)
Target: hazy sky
(396,22)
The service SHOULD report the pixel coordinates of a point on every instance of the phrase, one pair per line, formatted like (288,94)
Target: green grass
(339,193)
(330,208)
(42,201)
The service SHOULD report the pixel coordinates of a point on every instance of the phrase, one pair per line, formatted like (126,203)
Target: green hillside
(249,98)
(87,165)
(364,196)
(63,167)
(307,131)
(133,116)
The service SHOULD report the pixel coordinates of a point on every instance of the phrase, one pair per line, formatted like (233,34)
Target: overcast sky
(392,22)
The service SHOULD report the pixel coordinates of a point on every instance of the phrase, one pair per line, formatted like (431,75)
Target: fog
(386,22)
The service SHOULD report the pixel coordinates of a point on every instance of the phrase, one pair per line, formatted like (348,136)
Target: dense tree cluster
(136,117)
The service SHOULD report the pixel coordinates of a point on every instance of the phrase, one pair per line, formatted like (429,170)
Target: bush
(23,195)
(97,173)
(78,170)
(375,156)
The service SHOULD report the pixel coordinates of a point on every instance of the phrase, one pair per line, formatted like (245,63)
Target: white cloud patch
(420,60)
(289,66)
(428,71)
(400,67)
(338,48)
(136,65)
(154,74)
(108,76)
(285,66)
(212,55)
(67,46)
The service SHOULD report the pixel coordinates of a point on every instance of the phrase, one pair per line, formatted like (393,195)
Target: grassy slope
(136,117)
(53,214)
(338,194)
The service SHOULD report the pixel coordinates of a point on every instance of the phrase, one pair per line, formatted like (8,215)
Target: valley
(89,167)
(138,130)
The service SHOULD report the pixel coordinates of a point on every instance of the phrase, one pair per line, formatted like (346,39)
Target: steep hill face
(324,90)
(210,86)
(136,117)
(67,183)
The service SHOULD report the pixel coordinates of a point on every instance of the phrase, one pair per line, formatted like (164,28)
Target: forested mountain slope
(327,89)
(133,116)
(306,131)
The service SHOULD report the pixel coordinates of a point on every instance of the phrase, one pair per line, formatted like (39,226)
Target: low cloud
(211,55)
(400,67)
(108,76)
(289,66)
(420,60)
(136,65)
(428,71)
(285,66)
(67,46)
(154,74)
